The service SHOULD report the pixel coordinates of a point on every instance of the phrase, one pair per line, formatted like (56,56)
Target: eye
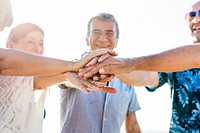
(41,44)
(96,33)
(192,14)
(109,34)
(30,41)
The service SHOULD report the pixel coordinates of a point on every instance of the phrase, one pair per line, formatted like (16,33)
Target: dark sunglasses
(193,14)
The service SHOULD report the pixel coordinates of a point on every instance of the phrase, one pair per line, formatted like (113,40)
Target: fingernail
(88,92)
(101,70)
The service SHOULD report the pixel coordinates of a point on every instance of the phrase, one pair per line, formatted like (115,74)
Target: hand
(111,65)
(91,57)
(100,77)
(87,85)
(98,59)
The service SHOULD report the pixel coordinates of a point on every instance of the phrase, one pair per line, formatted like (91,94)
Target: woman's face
(32,42)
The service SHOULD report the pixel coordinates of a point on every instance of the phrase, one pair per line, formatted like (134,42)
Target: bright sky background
(146,27)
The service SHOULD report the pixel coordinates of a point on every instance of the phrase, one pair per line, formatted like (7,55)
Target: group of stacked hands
(93,73)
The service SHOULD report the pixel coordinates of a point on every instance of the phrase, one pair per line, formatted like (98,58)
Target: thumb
(106,70)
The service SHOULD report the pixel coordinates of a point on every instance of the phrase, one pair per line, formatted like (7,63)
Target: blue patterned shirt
(96,112)
(185,94)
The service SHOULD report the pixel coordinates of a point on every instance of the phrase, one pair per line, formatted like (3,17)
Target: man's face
(102,35)
(193,19)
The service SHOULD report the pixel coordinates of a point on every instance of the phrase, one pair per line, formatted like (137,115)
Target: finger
(110,90)
(83,88)
(92,62)
(90,85)
(95,78)
(108,70)
(113,53)
(100,86)
(90,55)
(103,57)
(103,76)
(88,72)
(107,79)
(92,70)
(80,70)
(94,87)
(100,83)
(83,71)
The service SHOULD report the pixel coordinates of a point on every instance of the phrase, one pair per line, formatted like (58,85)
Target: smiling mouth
(102,47)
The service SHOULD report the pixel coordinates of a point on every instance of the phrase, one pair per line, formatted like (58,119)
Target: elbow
(5,67)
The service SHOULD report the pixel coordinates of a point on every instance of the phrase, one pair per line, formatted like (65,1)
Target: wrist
(74,66)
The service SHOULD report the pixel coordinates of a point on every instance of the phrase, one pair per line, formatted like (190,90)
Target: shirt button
(105,119)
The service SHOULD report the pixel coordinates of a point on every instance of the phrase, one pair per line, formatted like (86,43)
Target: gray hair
(104,16)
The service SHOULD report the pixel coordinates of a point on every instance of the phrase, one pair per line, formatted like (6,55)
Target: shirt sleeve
(163,78)
(134,104)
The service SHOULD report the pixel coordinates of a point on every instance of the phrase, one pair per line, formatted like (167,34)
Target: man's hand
(111,66)
(92,57)
(87,85)
(103,77)
(100,77)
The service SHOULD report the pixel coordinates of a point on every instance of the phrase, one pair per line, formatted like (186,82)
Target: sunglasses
(193,14)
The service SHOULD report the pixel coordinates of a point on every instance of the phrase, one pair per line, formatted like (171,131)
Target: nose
(103,37)
(196,19)
(39,49)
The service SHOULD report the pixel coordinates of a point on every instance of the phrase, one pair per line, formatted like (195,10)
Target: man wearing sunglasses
(171,66)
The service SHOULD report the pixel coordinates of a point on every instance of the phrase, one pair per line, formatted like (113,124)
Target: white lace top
(20,111)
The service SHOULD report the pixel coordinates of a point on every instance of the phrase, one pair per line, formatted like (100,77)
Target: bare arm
(131,124)
(140,78)
(15,62)
(42,82)
(181,58)
(177,59)
(72,78)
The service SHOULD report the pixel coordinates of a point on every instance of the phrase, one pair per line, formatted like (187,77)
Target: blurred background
(146,27)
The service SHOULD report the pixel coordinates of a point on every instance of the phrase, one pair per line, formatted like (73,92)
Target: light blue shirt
(92,113)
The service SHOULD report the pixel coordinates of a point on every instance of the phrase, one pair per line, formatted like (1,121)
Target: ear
(87,41)
(187,17)
(9,44)
(116,43)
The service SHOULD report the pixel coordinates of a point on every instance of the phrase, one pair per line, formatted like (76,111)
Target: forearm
(133,129)
(131,124)
(140,78)
(15,63)
(42,82)
(181,58)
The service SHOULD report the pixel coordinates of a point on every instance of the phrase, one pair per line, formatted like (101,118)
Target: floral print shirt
(185,96)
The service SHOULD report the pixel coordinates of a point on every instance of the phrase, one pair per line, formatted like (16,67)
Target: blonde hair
(21,31)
